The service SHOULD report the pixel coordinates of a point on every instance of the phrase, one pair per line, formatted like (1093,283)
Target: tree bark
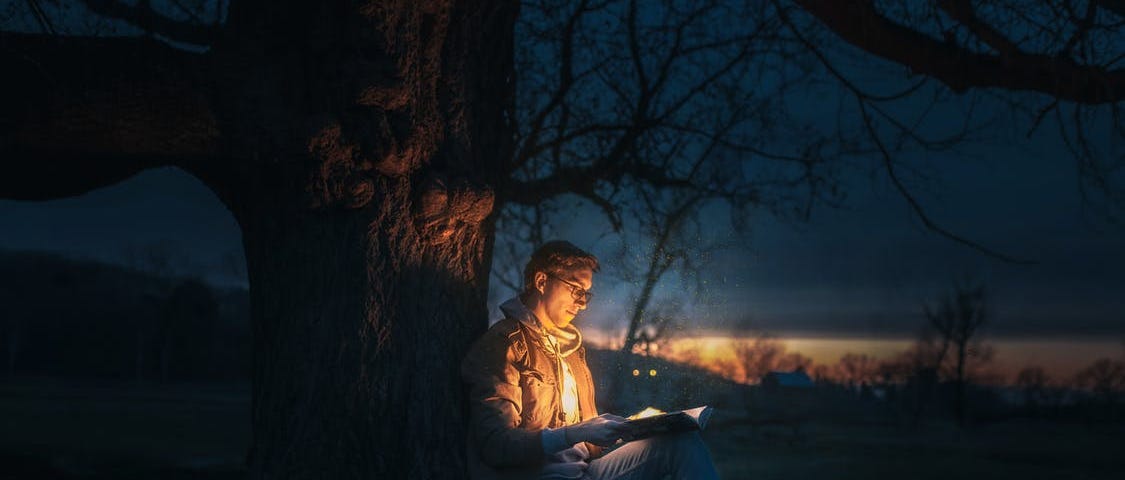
(359,326)
(368,229)
(359,146)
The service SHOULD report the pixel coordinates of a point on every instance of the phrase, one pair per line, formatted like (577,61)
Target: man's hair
(555,258)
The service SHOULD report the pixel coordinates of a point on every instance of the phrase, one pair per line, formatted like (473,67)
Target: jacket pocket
(538,399)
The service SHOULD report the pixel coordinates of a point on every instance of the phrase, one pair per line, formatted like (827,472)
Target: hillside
(80,318)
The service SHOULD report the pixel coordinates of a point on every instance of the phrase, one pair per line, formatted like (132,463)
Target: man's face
(559,302)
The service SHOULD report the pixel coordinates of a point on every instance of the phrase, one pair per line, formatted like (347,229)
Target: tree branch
(962,11)
(145,18)
(583,179)
(44,22)
(566,81)
(1115,6)
(81,113)
(930,224)
(860,24)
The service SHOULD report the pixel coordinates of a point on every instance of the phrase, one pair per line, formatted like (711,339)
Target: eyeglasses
(576,291)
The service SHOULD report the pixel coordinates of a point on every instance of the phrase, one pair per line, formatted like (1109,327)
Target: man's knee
(685,438)
(675,441)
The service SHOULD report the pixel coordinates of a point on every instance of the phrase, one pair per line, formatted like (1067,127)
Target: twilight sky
(866,269)
(860,271)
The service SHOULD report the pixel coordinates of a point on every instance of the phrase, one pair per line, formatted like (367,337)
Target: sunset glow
(1060,358)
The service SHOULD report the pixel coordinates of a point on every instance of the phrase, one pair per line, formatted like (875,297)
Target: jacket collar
(568,339)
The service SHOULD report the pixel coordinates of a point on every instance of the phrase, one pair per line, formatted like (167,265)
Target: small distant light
(652,373)
(636,372)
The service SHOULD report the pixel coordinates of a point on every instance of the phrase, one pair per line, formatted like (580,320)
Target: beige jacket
(513,393)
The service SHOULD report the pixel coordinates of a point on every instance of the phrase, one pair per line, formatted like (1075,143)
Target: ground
(54,429)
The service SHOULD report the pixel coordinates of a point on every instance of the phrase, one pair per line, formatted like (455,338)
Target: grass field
(124,431)
(851,451)
(64,430)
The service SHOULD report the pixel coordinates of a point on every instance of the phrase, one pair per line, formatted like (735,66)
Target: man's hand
(603,430)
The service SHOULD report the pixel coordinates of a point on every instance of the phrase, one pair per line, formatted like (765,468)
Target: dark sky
(866,269)
(863,270)
(871,266)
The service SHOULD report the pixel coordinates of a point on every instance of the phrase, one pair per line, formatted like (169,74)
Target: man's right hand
(603,430)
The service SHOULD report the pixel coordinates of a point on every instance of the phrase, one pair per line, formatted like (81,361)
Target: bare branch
(566,79)
(44,22)
(859,23)
(584,179)
(636,55)
(962,11)
(150,21)
(931,225)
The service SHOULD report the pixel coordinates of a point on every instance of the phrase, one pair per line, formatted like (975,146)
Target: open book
(671,422)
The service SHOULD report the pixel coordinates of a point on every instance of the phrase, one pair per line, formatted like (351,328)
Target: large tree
(358,145)
(365,149)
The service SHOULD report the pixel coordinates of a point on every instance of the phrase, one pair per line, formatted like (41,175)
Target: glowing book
(671,422)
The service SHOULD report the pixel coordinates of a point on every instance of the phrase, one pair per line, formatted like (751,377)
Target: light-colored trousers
(680,456)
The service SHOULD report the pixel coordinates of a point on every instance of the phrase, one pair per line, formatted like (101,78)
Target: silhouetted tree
(758,356)
(856,370)
(616,88)
(957,319)
(1105,378)
(1034,382)
(794,361)
(14,335)
(187,330)
(158,260)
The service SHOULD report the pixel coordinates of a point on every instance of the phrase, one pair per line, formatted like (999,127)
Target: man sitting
(531,394)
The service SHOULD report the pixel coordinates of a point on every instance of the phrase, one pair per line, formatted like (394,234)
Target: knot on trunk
(401,139)
(441,210)
(360,192)
(403,155)
(339,178)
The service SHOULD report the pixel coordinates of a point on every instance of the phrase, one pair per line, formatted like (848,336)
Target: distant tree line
(943,374)
(75,318)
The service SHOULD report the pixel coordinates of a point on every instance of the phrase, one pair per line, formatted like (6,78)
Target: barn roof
(795,379)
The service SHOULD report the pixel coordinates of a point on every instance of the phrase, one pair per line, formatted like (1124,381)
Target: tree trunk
(13,350)
(359,326)
(621,371)
(959,401)
(359,145)
(368,233)
(139,358)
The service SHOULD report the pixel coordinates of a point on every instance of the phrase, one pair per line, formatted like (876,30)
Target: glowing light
(647,412)
(652,373)
(718,354)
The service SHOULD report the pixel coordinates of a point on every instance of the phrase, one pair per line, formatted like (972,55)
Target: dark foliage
(75,318)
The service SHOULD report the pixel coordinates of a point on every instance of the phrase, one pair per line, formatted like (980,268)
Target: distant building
(797,379)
